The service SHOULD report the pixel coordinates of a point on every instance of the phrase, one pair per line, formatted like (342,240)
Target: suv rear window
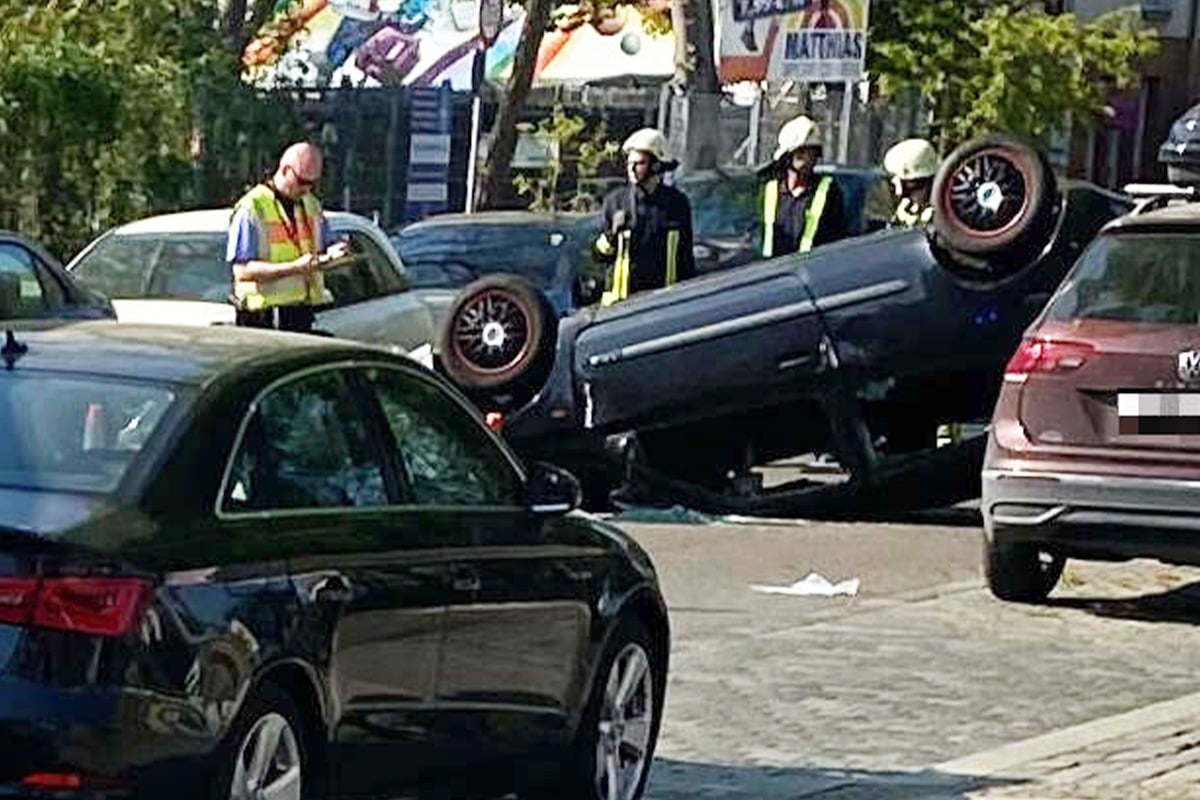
(74,434)
(1134,277)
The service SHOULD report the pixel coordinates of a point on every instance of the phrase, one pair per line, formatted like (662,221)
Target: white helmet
(797,133)
(648,140)
(911,159)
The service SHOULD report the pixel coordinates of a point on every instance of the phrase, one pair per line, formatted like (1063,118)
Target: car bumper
(117,742)
(1093,516)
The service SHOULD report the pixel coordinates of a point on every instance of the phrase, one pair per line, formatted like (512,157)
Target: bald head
(299,170)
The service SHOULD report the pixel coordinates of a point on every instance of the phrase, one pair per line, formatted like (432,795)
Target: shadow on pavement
(681,780)
(1177,605)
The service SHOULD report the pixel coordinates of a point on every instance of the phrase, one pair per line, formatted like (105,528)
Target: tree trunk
(495,190)
(237,28)
(695,145)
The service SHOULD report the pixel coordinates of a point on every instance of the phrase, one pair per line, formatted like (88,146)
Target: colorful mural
(320,43)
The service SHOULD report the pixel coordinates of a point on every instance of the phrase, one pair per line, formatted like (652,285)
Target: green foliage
(582,148)
(1005,66)
(101,104)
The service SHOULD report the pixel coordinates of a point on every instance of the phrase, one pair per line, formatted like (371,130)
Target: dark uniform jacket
(650,217)
(791,215)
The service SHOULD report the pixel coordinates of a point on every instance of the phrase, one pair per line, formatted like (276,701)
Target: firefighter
(646,226)
(911,165)
(800,209)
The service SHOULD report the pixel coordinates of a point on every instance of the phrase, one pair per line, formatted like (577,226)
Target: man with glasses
(646,226)
(279,245)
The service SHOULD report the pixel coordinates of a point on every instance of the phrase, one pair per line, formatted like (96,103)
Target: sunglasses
(300,179)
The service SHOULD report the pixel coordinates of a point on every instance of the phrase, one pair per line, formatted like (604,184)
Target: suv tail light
(1045,356)
(99,606)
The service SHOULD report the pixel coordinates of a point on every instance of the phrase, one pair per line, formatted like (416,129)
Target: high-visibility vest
(911,214)
(279,241)
(622,264)
(812,216)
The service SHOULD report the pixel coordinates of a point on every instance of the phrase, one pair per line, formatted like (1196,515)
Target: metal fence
(365,134)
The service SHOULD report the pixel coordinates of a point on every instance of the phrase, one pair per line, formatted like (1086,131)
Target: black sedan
(33,285)
(245,564)
(861,349)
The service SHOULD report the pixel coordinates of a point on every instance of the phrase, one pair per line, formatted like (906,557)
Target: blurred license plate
(1158,413)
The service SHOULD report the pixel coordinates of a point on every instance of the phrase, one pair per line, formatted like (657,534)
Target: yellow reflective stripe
(672,255)
(812,219)
(620,275)
(770,211)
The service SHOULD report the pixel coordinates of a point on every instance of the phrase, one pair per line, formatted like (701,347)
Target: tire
(267,714)
(580,778)
(1020,572)
(499,336)
(993,196)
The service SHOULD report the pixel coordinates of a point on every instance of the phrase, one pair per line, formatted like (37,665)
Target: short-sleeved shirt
(243,237)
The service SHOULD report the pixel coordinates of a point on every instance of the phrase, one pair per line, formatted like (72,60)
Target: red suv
(1094,450)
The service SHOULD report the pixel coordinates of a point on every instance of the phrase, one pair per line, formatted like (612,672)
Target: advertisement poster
(799,40)
(331,43)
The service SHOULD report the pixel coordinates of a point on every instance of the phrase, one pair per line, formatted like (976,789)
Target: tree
(699,86)
(1007,66)
(496,190)
(102,106)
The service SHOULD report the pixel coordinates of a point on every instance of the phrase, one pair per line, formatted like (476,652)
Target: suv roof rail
(1153,196)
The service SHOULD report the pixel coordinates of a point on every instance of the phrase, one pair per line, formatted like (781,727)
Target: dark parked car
(1095,445)
(33,285)
(244,564)
(860,349)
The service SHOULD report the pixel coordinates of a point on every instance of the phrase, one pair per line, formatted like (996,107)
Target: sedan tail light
(1045,356)
(98,606)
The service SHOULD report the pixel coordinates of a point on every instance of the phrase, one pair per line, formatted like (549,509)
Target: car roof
(173,354)
(208,220)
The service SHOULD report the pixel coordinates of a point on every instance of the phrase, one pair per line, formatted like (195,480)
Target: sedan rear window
(74,434)
(160,266)
(1143,277)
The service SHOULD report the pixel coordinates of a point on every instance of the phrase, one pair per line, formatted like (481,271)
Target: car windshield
(725,206)
(74,434)
(453,254)
(1143,277)
(175,266)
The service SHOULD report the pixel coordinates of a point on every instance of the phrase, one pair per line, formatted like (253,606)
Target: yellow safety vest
(812,216)
(280,241)
(622,264)
(910,214)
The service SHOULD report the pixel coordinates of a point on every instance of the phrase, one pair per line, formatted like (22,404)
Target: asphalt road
(882,694)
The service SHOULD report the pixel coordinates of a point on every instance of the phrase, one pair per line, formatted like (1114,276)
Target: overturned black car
(859,350)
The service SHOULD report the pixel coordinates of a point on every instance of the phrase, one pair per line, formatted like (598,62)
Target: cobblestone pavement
(912,688)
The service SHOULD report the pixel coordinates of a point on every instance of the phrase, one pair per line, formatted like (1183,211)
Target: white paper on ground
(812,585)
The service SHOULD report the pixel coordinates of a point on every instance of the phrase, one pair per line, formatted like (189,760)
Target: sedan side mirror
(552,490)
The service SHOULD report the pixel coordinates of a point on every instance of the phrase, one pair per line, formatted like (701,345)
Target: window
(1148,277)
(380,265)
(306,446)
(353,283)
(177,266)
(75,434)
(449,460)
(21,293)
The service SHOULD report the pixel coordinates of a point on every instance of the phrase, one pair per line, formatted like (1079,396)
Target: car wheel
(499,335)
(264,753)
(993,196)
(614,746)
(1020,573)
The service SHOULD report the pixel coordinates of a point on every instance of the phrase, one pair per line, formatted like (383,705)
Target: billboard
(330,43)
(800,40)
